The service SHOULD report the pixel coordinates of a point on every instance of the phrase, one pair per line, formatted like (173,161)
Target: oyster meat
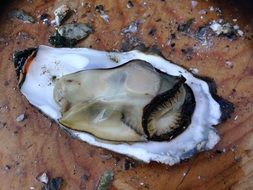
(129,103)
(132,103)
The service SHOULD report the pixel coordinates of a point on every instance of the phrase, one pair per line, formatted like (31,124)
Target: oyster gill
(38,68)
(133,102)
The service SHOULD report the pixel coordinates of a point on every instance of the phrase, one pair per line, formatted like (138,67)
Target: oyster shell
(168,118)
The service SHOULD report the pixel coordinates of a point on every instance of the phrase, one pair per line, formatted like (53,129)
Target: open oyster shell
(168,118)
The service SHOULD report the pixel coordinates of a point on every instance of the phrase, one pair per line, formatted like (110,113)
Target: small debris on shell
(240,32)
(194,4)
(226,29)
(218,151)
(6,168)
(216,27)
(105,17)
(130,42)
(129,164)
(44,18)
(105,157)
(204,35)
(194,70)
(100,10)
(202,12)
(43,178)
(23,16)
(152,31)
(237,158)
(200,177)
(132,28)
(229,64)
(185,27)
(59,41)
(105,180)
(21,117)
(113,57)
(233,148)
(75,31)
(68,35)
(188,52)
(4,108)
(130,4)
(2,124)
(60,13)
(53,184)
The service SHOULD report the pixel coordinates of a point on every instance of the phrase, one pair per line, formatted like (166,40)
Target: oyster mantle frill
(133,103)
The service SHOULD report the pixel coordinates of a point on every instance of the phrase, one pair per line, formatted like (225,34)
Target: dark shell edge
(227,107)
(188,108)
(19,60)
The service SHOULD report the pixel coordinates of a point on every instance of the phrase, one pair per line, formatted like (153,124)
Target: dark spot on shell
(203,32)
(44,16)
(218,151)
(173,36)
(129,164)
(173,45)
(130,4)
(188,52)
(99,9)
(19,59)
(59,41)
(184,27)
(152,32)
(53,78)
(53,184)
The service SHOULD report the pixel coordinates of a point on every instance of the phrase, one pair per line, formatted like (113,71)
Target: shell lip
(22,61)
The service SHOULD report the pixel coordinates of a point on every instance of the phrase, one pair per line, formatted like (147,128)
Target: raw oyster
(133,102)
(167,119)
